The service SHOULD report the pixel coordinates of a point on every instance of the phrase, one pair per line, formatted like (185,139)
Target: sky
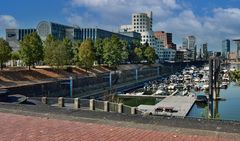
(210,21)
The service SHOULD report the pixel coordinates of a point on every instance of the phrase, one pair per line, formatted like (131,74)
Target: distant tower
(237,41)
(205,51)
(225,48)
(189,43)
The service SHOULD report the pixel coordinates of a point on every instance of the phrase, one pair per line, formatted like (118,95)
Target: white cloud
(7,21)
(117,12)
(169,15)
(224,23)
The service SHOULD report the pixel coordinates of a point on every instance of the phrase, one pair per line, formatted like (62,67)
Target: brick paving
(26,128)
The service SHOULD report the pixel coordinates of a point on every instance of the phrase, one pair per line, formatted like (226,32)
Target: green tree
(55,53)
(86,54)
(31,49)
(112,51)
(132,55)
(15,55)
(139,54)
(98,49)
(69,46)
(125,50)
(76,46)
(150,54)
(5,52)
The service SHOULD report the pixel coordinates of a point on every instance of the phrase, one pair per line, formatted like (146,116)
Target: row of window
(139,23)
(141,20)
(139,16)
(140,30)
(148,36)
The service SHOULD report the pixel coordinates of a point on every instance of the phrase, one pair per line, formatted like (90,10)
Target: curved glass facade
(43,29)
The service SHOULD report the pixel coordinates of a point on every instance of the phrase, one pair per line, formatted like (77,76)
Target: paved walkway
(27,128)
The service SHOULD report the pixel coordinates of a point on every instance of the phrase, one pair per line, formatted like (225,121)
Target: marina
(186,94)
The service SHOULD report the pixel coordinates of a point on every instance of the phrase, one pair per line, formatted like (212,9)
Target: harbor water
(227,109)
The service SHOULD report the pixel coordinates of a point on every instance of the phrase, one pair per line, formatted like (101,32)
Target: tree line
(58,53)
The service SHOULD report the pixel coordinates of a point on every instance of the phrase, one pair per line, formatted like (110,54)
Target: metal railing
(126,109)
(113,107)
(99,105)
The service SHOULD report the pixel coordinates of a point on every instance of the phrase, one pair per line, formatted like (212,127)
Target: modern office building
(205,53)
(60,32)
(189,43)
(165,37)
(141,22)
(183,55)
(237,41)
(167,54)
(14,36)
(148,37)
(225,48)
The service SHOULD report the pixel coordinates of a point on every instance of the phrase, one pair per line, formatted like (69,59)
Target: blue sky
(209,20)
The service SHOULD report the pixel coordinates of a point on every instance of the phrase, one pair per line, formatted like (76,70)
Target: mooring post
(136,73)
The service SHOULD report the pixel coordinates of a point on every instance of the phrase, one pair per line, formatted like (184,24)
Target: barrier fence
(88,104)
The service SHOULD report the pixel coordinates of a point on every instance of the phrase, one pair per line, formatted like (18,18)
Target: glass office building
(60,32)
(225,48)
(13,36)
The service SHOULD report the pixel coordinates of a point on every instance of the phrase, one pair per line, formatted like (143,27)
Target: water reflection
(226,109)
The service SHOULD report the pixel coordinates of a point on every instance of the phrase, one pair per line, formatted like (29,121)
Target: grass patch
(134,102)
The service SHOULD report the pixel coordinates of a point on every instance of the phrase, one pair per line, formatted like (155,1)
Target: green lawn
(134,102)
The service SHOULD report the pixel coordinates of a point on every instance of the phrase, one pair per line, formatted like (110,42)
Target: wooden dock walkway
(181,105)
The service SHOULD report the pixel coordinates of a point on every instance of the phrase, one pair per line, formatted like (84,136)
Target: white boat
(224,85)
(187,77)
(196,79)
(205,86)
(171,86)
(232,69)
(225,77)
(159,92)
(139,93)
(206,68)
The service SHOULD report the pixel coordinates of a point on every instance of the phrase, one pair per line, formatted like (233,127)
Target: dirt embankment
(20,76)
(23,76)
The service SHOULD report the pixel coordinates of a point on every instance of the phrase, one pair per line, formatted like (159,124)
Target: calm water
(227,110)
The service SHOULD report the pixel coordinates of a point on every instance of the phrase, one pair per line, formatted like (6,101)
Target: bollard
(120,108)
(44,100)
(133,110)
(76,103)
(60,102)
(92,104)
(106,106)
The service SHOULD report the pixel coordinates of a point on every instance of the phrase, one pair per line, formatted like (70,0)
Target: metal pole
(71,86)
(210,90)
(136,74)
(110,80)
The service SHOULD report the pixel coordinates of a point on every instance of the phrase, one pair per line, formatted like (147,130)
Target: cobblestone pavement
(27,128)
